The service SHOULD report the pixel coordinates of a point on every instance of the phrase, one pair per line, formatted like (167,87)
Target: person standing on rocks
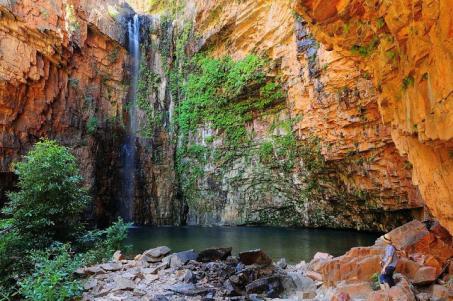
(388,263)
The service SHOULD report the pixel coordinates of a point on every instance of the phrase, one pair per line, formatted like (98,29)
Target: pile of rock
(423,273)
(158,274)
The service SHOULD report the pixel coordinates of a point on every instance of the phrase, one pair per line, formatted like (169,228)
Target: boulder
(214,254)
(158,252)
(440,292)
(313,275)
(111,266)
(282,263)
(270,286)
(407,234)
(356,290)
(425,275)
(255,257)
(181,258)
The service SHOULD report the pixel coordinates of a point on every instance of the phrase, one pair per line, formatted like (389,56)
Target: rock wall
(406,48)
(63,78)
(364,184)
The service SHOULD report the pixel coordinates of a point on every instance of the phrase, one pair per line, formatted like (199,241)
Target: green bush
(101,244)
(50,200)
(52,278)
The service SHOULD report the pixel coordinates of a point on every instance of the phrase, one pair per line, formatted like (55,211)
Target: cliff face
(63,78)
(355,131)
(364,180)
(406,47)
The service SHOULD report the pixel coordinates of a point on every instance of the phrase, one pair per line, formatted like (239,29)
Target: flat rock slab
(188,289)
(255,257)
(111,266)
(214,254)
(157,252)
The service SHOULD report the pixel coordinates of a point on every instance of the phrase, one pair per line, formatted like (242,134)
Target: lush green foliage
(46,210)
(226,94)
(52,278)
(51,197)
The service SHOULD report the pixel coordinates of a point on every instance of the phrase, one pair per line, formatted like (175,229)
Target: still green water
(293,244)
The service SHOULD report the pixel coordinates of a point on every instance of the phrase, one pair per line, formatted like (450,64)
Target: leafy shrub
(52,278)
(50,199)
(101,244)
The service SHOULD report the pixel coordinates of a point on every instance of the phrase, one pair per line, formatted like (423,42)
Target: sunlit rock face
(366,183)
(63,78)
(406,47)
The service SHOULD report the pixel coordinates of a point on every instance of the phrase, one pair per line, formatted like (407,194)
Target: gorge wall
(319,138)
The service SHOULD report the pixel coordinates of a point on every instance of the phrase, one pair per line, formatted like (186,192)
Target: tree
(51,197)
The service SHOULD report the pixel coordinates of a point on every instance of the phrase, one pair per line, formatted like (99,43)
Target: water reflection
(293,244)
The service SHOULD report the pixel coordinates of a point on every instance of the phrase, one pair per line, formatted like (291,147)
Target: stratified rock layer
(406,47)
(63,78)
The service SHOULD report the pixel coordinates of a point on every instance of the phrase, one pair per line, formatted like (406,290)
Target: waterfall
(129,147)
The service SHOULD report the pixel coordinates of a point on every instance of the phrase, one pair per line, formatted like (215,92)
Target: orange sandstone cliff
(406,47)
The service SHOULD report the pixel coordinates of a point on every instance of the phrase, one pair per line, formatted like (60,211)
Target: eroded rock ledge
(423,272)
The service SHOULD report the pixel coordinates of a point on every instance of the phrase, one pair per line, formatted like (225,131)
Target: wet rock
(282,263)
(188,289)
(181,258)
(229,289)
(255,257)
(214,254)
(270,286)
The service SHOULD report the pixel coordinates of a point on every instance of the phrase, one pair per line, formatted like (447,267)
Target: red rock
(425,275)
(401,292)
(313,275)
(340,296)
(360,289)
(440,292)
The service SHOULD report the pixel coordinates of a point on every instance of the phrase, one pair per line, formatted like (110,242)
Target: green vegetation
(43,237)
(147,85)
(365,50)
(226,94)
(170,7)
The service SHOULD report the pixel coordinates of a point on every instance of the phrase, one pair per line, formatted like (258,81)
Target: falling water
(129,147)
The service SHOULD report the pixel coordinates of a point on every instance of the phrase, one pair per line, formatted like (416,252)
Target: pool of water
(293,244)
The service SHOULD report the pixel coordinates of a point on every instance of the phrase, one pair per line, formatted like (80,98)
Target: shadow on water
(293,244)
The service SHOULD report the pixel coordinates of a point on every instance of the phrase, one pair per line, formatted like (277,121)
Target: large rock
(255,257)
(158,252)
(214,254)
(402,291)
(269,286)
(181,258)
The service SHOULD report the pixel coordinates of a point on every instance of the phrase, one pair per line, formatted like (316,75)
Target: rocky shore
(424,272)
